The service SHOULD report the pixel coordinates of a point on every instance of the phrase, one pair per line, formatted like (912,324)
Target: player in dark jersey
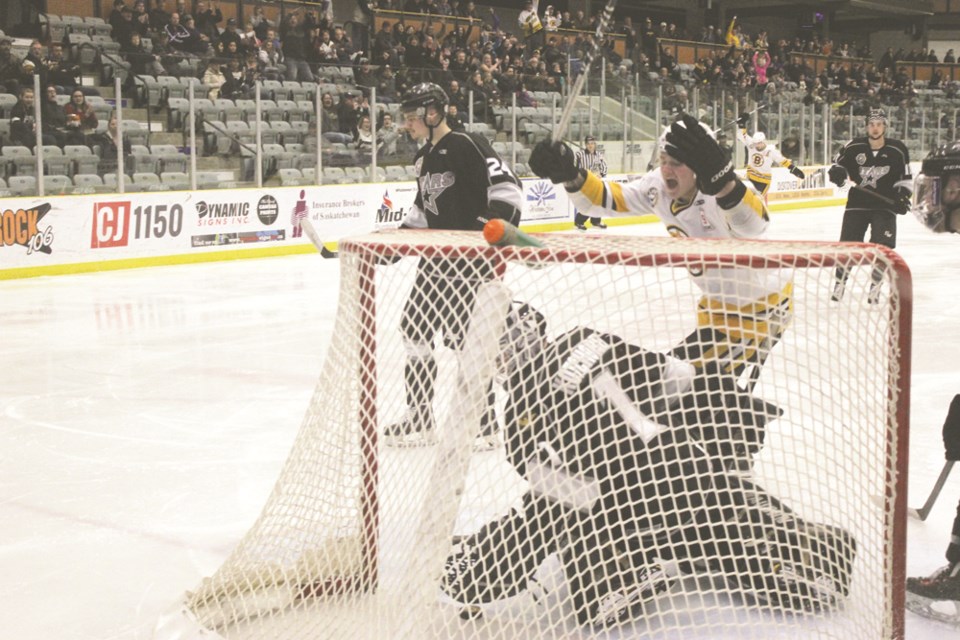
(461,184)
(880,169)
(627,455)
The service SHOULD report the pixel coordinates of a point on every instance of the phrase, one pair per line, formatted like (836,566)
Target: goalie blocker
(629,456)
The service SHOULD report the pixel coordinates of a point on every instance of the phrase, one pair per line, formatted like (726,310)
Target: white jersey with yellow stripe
(761,162)
(702,217)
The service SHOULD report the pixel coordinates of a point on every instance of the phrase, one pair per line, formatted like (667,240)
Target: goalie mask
(936,194)
(523,338)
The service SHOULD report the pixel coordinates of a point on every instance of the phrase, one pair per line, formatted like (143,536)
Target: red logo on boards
(111,224)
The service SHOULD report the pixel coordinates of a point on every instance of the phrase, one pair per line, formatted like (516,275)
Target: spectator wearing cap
(348,113)
(229,35)
(9,67)
(124,27)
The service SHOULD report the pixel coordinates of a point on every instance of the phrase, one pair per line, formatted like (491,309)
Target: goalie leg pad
(610,582)
(498,561)
(769,554)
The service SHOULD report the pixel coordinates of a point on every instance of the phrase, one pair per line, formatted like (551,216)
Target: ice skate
(417,428)
(600,225)
(938,596)
(581,226)
(874,296)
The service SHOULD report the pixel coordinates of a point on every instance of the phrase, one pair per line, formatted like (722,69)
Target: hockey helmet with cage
(524,334)
(936,194)
(423,95)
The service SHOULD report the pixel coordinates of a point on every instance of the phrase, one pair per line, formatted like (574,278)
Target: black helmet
(424,95)
(936,196)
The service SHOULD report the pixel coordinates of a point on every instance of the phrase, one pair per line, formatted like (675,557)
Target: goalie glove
(554,161)
(796,171)
(691,144)
(902,200)
(837,175)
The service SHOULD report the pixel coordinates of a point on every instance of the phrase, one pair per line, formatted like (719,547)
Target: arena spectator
(61,71)
(230,35)
(159,16)
(52,116)
(105,145)
(213,79)
(81,118)
(207,19)
(177,34)
(295,43)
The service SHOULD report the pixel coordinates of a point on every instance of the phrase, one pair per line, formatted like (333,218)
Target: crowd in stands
(478,54)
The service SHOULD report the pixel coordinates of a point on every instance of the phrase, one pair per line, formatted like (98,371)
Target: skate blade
(945,611)
(411,440)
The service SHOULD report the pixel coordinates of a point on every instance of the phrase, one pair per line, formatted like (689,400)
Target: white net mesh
(636,495)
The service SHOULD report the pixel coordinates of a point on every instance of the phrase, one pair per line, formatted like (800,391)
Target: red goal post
(353,539)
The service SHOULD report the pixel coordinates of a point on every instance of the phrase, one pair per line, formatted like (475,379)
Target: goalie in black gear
(628,455)
(461,184)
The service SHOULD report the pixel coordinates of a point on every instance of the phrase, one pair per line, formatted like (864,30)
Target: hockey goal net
(784,516)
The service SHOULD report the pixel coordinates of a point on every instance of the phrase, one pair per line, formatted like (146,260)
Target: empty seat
(54,162)
(83,159)
(56,185)
(289,177)
(396,173)
(170,157)
(177,180)
(7,101)
(334,175)
(380,175)
(356,174)
(22,185)
(87,183)
(20,159)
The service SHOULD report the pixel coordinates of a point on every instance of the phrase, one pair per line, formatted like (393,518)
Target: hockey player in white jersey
(762,157)
(695,193)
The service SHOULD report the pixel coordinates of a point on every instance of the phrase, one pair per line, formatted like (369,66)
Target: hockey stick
(567,113)
(752,111)
(876,196)
(501,233)
(307,226)
(924,511)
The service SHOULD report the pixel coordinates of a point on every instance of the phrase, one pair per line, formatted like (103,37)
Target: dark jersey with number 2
(462,183)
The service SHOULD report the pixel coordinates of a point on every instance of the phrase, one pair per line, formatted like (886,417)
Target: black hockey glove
(951,430)
(743,119)
(795,170)
(689,143)
(837,175)
(554,161)
(902,198)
